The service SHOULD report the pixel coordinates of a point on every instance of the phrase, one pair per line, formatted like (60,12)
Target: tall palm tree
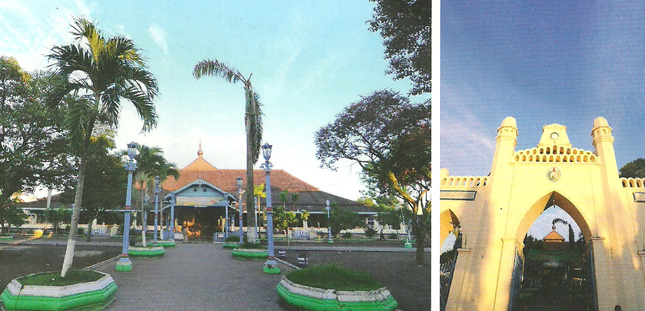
(103,71)
(252,121)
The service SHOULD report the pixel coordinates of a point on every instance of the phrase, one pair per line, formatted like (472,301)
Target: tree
(11,214)
(389,138)
(252,122)
(634,169)
(104,71)
(106,180)
(341,219)
(57,215)
(259,193)
(33,149)
(294,199)
(151,163)
(284,198)
(405,29)
(283,220)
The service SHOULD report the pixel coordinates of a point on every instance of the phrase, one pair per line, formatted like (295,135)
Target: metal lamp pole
(157,191)
(124,263)
(239,207)
(226,222)
(271,266)
(329,223)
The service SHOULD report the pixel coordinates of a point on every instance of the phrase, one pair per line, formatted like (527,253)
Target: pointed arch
(560,200)
(448,219)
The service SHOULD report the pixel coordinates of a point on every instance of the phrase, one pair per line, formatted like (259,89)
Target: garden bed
(250,251)
(334,288)
(135,251)
(166,244)
(80,290)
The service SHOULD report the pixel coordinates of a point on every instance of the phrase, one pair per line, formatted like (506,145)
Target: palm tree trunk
(71,241)
(250,217)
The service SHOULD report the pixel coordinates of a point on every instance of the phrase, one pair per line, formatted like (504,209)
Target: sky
(308,60)
(565,62)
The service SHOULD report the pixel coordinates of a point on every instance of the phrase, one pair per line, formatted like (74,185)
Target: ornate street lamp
(124,263)
(239,206)
(271,266)
(329,223)
(226,222)
(157,191)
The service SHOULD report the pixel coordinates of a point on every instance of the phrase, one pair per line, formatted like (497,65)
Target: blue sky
(564,62)
(309,60)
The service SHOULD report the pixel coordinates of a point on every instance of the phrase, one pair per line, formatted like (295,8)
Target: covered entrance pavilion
(494,213)
(199,209)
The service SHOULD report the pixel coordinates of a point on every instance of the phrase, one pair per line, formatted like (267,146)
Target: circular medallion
(554,135)
(553,174)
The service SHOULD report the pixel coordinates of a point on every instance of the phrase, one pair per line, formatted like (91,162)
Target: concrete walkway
(199,276)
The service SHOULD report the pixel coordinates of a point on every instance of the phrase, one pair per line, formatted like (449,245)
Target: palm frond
(216,68)
(256,126)
(144,106)
(77,121)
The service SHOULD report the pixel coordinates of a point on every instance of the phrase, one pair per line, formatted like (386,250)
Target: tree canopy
(405,28)
(634,169)
(389,138)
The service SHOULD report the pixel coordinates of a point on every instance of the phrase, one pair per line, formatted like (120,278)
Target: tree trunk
(89,230)
(250,216)
(71,241)
(418,228)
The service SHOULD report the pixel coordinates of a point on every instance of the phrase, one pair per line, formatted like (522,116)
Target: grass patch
(54,279)
(247,245)
(334,277)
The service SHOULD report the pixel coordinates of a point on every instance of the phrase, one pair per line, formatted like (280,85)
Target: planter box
(312,298)
(230,245)
(250,253)
(6,237)
(134,251)
(83,296)
(166,244)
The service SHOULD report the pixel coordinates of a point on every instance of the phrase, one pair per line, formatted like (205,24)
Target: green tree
(389,138)
(55,216)
(105,183)
(284,220)
(33,149)
(405,29)
(252,122)
(104,71)
(294,199)
(284,198)
(634,169)
(341,219)
(11,214)
(259,193)
(151,163)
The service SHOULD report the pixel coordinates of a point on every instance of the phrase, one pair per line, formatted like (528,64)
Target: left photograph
(181,156)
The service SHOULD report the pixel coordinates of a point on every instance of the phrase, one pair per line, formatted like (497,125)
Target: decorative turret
(506,141)
(604,144)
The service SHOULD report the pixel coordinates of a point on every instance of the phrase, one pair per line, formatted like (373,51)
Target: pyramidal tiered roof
(553,236)
(226,179)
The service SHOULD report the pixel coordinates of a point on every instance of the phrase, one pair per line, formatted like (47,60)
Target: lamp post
(271,266)
(226,223)
(124,263)
(157,191)
(329,223)
(239,206)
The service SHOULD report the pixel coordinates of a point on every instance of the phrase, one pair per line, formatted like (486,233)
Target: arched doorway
(554,269)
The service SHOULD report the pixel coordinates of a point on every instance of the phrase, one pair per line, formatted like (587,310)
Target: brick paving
(195,277)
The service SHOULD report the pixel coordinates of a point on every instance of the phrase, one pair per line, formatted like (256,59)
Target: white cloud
(159,36)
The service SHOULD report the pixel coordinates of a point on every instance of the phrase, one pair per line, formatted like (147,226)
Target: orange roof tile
(553,236)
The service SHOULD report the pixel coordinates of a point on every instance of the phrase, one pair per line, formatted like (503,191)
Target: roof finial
(200,152)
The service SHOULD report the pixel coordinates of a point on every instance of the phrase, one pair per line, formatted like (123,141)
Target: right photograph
(542,188)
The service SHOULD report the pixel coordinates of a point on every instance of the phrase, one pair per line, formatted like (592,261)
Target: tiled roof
(553,236)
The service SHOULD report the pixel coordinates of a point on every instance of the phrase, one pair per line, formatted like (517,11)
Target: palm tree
(252,121)
(103,72)
(151,163)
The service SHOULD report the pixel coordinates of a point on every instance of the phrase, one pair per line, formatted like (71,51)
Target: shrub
(347,235)
(248,245)
(54,279)
(334,277)
(232,238)
(370,232)
(394,236)
(80,231)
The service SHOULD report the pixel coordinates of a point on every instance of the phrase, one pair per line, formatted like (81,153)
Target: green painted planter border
(250,253)
(166,244)
(6,237)
(91,300)
(330,301)
(146,252)
(124,267)
(232,245)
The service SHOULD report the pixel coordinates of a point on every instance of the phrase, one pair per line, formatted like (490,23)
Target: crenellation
(555,155)
(464,181)
(632,182)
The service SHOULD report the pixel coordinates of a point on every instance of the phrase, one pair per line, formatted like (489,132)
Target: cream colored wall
(493,225)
